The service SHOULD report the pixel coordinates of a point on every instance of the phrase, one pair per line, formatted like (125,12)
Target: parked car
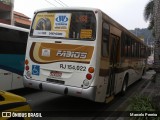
(11,103)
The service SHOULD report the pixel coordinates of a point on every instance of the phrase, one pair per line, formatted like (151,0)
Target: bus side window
(105,40)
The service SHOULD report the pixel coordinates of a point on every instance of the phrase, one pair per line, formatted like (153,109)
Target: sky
(129,13)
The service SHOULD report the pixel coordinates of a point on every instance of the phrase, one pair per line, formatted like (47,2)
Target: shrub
(140,103)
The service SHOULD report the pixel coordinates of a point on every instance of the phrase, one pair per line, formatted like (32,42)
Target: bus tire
(124,86)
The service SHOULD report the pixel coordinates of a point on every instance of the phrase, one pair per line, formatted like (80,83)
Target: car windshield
(77,25)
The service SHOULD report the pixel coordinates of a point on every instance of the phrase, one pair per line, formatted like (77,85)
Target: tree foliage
(149,15)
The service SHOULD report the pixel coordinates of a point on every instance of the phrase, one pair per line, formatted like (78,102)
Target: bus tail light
(27,67)
(89,76)
(91,70)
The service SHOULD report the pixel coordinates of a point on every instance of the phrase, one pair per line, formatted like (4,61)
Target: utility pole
(157,35)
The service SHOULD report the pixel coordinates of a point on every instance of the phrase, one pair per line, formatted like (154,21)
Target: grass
(143,104)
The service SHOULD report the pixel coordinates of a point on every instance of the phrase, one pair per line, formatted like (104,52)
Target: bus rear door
(114,59)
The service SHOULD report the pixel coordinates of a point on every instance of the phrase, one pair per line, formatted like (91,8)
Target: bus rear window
(78,25)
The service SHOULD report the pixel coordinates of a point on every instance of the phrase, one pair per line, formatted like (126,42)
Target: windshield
(79,25)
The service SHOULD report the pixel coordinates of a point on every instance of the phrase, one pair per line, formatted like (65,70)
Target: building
(21,20)
(6,10)
(8,16)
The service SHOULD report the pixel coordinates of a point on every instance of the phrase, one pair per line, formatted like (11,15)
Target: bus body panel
(17,81)
(6,79)
(72,73)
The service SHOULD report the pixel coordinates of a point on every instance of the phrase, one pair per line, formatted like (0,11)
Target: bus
(13,41)
(82,52)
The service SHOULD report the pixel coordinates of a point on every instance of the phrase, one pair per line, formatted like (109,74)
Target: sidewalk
(152,90)
(149,89)
(156,94)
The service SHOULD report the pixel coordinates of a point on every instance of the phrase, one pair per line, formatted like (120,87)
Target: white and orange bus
(82,52)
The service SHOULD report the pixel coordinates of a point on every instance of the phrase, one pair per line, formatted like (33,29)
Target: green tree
(148,15)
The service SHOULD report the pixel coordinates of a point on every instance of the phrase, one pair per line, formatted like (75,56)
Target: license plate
(55,74)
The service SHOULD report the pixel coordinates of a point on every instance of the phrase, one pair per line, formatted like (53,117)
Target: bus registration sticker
(55,74)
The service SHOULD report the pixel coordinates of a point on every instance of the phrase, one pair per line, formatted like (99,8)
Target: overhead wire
(63,3)
(59,3)
(50,3)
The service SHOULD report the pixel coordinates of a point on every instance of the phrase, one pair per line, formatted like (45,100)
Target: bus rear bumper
(89,93)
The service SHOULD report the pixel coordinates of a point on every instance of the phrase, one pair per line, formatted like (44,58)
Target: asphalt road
(62,107)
